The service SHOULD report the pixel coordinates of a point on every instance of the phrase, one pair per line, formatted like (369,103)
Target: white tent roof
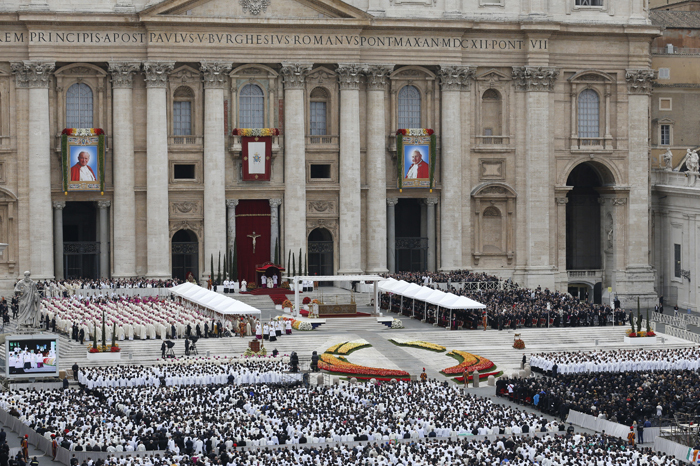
(211,300)
(423,293)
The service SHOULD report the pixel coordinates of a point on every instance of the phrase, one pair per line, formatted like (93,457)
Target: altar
(337,309)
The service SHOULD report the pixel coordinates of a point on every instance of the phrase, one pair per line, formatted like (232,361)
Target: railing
(579,143)
(592,275)
(680,321)
(675,51)
(487,140)
(189,140)
(237,146)
(325,140)
(684,334)
(671,178)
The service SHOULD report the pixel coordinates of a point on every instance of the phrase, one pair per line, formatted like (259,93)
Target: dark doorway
(580,292)
(411,247)
(598,293)
(583,220)
(185,254)
(321,254)
(81,250)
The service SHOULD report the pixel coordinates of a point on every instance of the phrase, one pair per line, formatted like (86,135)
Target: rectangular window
(183,172)
(320,172)
(666,103)
(677,260)
(182,121)
(665,135)
(664,73)
(318,119)
(589,2)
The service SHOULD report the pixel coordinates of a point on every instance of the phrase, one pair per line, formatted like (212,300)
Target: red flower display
(470,362)
(331,363)
(306,300)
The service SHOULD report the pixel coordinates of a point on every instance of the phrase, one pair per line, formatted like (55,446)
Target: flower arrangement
(297,324)
(632,334)
(252,132)
(104,349)
(285,285)
(415,132)
(83,132)
(469,362)
(419,344)
(315,301)
(518,344)
(340,365)
(396,323)
(287,303)
(251,286)
(306,300)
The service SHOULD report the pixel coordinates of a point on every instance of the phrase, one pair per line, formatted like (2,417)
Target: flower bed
(419,344)
(641,334)
(350,346)
(339,365)
(469,362)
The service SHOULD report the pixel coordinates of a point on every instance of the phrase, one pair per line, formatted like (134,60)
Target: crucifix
(254,237)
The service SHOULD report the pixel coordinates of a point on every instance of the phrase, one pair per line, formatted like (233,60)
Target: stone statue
(29,302)
(667,160)
(691,161)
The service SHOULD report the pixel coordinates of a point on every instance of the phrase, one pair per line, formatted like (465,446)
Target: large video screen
(31,356)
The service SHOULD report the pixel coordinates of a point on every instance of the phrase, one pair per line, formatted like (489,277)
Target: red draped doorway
(252,223)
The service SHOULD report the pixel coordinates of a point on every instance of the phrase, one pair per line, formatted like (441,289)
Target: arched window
(588,114)
(252,107)
(409,107)
(491,116)
(79,106)
(182,111)
(318,121)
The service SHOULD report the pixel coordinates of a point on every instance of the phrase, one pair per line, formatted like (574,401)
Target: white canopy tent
(213,301)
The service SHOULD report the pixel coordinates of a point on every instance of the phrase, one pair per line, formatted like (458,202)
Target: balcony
(189,142)
(493,143)
(585,276)
(591,144)
(237,146)
(328,142)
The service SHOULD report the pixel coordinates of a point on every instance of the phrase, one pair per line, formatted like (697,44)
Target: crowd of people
(456,276)
(548,450)
(211,413)
(617,361)
(628,398)
(70,287)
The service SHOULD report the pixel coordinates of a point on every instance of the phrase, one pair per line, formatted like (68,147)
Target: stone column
(376,168)
(537,82)
(451,79)
(391,233)
(36,76)
(231,221)
(431,202)
(350,237)
(561,201)
(104,238)
(274,227)
(58,238)
(124,209)
(294,75)
(157,218)
(214,77)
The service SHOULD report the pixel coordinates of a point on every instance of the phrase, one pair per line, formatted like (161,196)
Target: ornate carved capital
(562,200)
(59,205)
(431,201)
(640,81)
(156,73)
(294,74)
(214,74)
(231,203)
(392,201)
(32,74)
(376,76)
(535,78)
(274,203)
(456,77)
(104,204)
(123,74)
(619,201)
(349,75)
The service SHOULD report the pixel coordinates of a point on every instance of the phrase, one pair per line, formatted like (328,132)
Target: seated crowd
(617,361)
(623,397)
(69,287)
(549,450)
(123,418)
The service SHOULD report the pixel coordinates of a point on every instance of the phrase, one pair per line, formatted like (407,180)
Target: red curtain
(252,217)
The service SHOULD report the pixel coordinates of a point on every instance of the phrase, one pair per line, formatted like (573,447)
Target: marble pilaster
(451,79)
(36,76)
(214,78)
(294,75)
(103,207)
(231,222)
(391,233)
(376,77)
(431,202)
(58,207)
(350,234)
(124,209)
(274,227)
(157,231)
